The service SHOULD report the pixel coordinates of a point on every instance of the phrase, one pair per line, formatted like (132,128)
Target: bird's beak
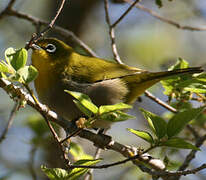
(35,47)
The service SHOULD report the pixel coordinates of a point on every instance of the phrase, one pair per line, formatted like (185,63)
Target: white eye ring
(50,48)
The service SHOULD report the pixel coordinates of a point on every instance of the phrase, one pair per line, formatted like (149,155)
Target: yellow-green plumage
(104,81)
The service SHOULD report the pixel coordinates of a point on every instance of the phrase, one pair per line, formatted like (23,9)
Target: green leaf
(77,172)
(28,73)
(77,152)
(55,173)
(158,3)
(201,77)
(179,143)
(5,68)
(84,100)
(171,84)
(18,58)
(82,108)
(142,134)
(9,54)
(180,64)
(109,108)
(116,116)
(179,120)
(156,123)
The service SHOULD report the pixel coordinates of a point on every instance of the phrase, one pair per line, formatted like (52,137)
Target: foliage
(15,68)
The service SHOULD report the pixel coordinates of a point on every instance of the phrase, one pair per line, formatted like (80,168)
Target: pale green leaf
(109,108)
(78,153)
(55,173)
(156,123)
(9,54)
(84,100)
(82,108)
(142,134)
(28,73)
(116,116)
(78,172)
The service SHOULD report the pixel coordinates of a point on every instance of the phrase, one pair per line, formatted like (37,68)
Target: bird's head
(50,51)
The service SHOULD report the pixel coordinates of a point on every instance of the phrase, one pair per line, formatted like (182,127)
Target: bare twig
(37,103)
(111,33)
(124,14)
(50,26)
(88,176)
(65,33)
(9,6)
(163,19)
(160,102)
(10,121)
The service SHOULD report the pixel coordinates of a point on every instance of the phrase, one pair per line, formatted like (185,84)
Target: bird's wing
(89,69)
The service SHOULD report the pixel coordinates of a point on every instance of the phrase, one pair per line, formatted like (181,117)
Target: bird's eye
(50,48)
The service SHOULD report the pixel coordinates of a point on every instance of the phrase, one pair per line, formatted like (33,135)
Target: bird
(60,68)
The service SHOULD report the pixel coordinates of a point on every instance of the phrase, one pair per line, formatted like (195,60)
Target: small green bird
(61,68)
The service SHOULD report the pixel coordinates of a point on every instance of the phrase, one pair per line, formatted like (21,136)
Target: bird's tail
(161,75)
(140,82)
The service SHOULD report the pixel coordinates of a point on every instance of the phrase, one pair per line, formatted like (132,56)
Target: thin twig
(50,26)
(88,176)
(10,121)
(124,14)
(71,135)
(163,19)
(56,137)
(160,102)
(65,33)
(9,6)
(111,33)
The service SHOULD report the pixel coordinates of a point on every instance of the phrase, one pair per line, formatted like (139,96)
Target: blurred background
(142,41)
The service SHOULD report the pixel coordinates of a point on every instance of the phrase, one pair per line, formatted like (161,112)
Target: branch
(111,33)
(65,33)
(35,37)
(9,6)
(101,141)
(124,14)
(160,102)
(163,19)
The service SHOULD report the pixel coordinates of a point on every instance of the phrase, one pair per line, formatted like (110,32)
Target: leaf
(5,68)
(77,152)
(179,120)
(180,64)
(17,58)
(116,116)
(109,108)
(55,173)
(84,100)
(77,172)
(179,143)
(156,123)
(82,108)
(28,73)
(171,84)
(9,54)
(142,134)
